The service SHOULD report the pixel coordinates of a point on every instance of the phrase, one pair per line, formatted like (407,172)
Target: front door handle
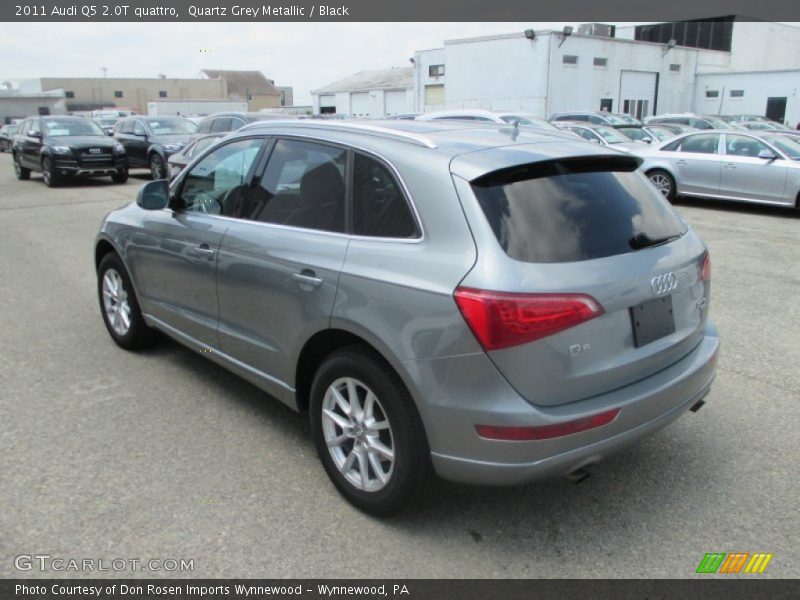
(307,278)
(204,251)
(680,162)
(730,165)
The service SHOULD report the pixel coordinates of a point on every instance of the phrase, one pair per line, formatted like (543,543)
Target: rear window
(575,210)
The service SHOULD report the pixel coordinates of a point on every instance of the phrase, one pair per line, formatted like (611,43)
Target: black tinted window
(303,186)
(221,125)
(574,210)
(217,185)
(379,207)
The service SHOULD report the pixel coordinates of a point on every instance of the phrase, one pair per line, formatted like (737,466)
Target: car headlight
(119,149)
(172,147)
(61,149)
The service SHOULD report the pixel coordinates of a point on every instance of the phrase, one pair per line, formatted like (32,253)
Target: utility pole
(105,72)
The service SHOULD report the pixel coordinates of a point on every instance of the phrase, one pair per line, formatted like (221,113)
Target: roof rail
(385,132)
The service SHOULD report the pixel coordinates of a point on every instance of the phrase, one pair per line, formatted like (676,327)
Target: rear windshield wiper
(642,240)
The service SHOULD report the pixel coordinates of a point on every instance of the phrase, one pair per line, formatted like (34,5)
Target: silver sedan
(726,164)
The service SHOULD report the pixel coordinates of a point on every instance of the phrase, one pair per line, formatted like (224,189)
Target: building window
(675,68)
(569,59)
(162,94)
(712,93)
(327,110)
(600,62)
(69,94)
(118,94)
(436,70)
(737,93)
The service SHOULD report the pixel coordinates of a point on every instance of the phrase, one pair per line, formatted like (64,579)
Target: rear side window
(707,143)
(205,126)
(379,207)
(303,186)
(221,125)
(574,210)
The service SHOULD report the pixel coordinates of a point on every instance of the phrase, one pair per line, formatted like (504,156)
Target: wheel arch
(666,169)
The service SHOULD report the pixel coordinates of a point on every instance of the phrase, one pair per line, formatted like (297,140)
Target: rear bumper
(459,454)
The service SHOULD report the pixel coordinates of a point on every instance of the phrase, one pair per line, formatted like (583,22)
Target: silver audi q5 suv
(475,302)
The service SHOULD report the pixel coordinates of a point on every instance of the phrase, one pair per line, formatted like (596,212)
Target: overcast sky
(303,55)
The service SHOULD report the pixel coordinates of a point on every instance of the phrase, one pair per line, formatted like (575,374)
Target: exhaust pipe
(579,474)
(697,405)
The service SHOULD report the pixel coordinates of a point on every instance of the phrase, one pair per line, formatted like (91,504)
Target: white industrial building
(367,94)
(642,70)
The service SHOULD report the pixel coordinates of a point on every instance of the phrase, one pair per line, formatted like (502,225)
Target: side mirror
(594,141)
(36,134)
(153,195)
(647,140)
(767,154)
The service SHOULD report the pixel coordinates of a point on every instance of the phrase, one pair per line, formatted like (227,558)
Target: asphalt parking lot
(106,454)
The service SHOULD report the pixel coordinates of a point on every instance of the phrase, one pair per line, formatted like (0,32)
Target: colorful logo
(734,562)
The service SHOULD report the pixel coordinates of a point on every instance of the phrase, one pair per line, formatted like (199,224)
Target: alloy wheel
(46,171)
(115,302)
(358,434)
(662,183)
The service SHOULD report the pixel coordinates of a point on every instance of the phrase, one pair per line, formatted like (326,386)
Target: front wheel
(121,313)
(663,182)
(120,177)
(21,172)
(368,433)
(49,173)
(157,168)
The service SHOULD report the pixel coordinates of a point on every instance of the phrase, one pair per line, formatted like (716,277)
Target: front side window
(34,127)
(138,128)
(698,144)
(302,186)
(217,185)
(379,207)
(573,210)
(221,125)
(585,134)
(741,145)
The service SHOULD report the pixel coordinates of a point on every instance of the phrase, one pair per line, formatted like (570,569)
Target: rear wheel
(664,183)
(120,177)
(21,172)
(121,313)
(368,433)
(157,168)
(49,173)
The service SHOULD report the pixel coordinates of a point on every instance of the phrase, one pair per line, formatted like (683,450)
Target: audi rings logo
(662,284)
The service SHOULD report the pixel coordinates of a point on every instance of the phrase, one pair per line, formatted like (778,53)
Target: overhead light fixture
(565,33)
(530,34)
(670,45)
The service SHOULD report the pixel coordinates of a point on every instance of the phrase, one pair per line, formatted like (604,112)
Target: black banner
(398,11)
(732,588)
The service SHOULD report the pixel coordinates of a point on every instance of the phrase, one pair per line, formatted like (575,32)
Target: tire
(157,168)
(21,172)
(50,176)
(120,177)
(406,477)
(137,335)
(664,183)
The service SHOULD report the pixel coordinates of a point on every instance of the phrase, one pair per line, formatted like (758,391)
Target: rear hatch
(587,279)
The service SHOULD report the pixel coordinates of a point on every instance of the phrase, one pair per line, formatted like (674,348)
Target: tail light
(502,319)
(545,432)
(705,270)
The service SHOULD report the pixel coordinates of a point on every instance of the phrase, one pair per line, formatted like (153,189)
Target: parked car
(107,124)
(690,119)
(674,128)
(486,305)
(194,148)
(7,132)
(636,133)
(488,116)
(599,134)
(744,118)
(150,141)
(225,122)
(726,164)
(595,118)
(404,116)
(764,126)
(65,147)
(659,133)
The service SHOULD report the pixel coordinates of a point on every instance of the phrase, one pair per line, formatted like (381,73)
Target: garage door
(327,104)
(637,93)
(360,104)
(434,97)
(395,102)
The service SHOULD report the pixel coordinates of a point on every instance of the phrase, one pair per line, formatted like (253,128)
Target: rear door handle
(680,162)
(730,165)
(307,278)
(204,251)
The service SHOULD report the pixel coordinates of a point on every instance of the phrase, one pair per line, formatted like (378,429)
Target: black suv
(62,147)
(225,122)
(150,141)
